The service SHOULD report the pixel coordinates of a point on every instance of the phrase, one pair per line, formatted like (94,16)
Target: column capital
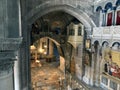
(10,44)
(7,59)
(6,67)
(114,8)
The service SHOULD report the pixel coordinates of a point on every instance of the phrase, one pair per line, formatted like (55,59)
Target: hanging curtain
(109,19)
(118,18)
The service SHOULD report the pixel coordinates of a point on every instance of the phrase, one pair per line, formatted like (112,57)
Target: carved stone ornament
(8,48)
(10,43)
(6,67)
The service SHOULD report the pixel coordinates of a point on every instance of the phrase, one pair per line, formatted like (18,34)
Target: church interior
(60,45)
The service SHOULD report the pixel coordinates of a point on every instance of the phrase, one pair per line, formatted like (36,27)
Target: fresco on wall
(112,62)
(116,57)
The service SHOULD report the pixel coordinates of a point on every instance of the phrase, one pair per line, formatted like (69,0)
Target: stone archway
(52,59)
(49,43)
(26,27)
(36,13)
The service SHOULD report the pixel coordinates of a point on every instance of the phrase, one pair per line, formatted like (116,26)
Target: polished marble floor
(46,76)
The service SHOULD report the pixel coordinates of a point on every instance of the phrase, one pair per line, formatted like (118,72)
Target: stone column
(79,61)
(95,74)
(8,48)
(114,19)
(104,18)
(86,77)
(25,70)
(16,75)
(97,67)
(101,19)
(6,75)
(50,47)
(72,62)
(92,66)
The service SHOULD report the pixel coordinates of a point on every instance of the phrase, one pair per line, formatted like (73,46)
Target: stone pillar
(104,18)
(101,19)
(8,48)
(95,57)
(50,47)
(79,61)
(97,72)
(62,64)
(72,62)
(92,66)
(114,11)
(16,75)
(25,70)
(86,77)
(6,75)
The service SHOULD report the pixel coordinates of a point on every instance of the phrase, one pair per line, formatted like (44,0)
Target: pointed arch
(98,8)
(115,43)
(108,6)
(105,42)
(118,3)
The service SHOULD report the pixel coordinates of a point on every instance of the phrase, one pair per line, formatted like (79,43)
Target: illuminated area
(60,45)
(47,68)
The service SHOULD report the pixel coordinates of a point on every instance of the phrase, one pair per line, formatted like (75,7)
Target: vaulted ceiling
(53,20)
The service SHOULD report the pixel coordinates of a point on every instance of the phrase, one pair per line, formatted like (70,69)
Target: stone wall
(10,41)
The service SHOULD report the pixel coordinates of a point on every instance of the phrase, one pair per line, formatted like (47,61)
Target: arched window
(105,44)
(105,50)
(118,17)
(115,46)
(109,14)
(71,32)
(79,31)
(109,18)
(117,13)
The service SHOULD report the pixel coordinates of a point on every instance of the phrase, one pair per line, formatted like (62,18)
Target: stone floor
(46,76)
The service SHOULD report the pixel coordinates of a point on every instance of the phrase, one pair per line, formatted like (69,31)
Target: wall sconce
(45,46)
(45,52)
(41,50)
(32,47)
(87,43)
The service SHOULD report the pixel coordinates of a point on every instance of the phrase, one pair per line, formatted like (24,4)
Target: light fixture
(87,43)
(45,46)
(41,50)
(45,52)
(37,61)
(32,47)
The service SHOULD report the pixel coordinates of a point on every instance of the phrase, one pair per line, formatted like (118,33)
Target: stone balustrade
(63,2)
(111,32)
(110,82)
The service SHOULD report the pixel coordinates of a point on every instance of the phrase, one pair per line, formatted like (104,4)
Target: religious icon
(109,19)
